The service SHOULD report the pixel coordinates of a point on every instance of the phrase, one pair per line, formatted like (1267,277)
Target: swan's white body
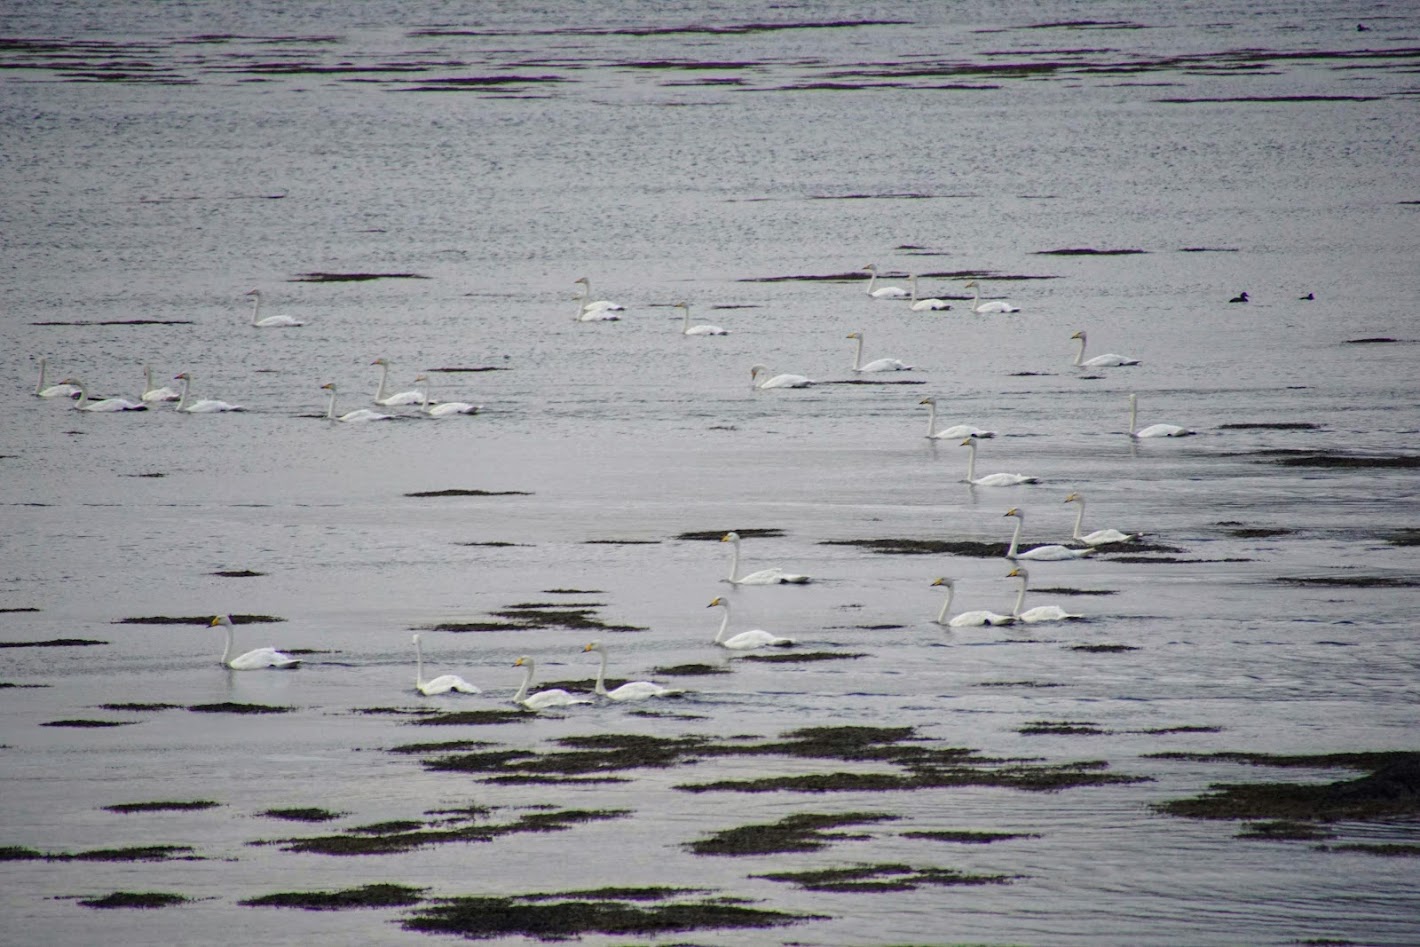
(152,393)
(1050,553)
(1040,612)
(444,409)
(1099,361)
(931,304)
(1153,430)
(776,381)
(955,432)
(599,310)
(389,398)
(270,322)
(995,305)
(441,684)
(61,390)
(353,417)
(632,690)
(688,329)
(252,660)
(202,405)
(1099,537)
(106,406)
(990,480)
(772,576)
(877,365)
(966,619)
(745,640)
(882,292)
(556,697)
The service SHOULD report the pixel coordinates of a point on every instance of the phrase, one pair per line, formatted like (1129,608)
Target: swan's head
(943,580)
(1074,498)
(1079,335)
(415,639)
(871,267)
(1014,511)
(253,292)
(1133,398)
(928,400)
(754,370)
(855,335)
(329,386)
(581,281)
(523,662)
(223,620)
(593,646)
(380,361)
(969,442)
(1019,572)
(681,305)
(972,284)
(716,601)
(730,537)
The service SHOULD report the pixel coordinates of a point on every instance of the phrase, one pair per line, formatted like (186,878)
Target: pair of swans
(1050,553)
(1099,361)
(152,393)
(930,304)
(994,305)
(1100,537)
(688,329)
(392,399)
(1153,430)
(257,660)
(201,405)
(589,310)
(104,406)
(631,690)
(1041,613)
(443,409)
(953,432)
(877,365)
(745,640)
(270,322)
(771,576)
(442,684)
(553,697)
(357,416)
(65,389)
(990,480)
(776,381)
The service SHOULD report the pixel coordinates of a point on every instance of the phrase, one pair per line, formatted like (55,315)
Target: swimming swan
(1099,361)
(1099,537)
(885,292)
(555,697)
(353,417)
(1040,612)
(270,322)
(990,480)
(745,640)
(601,310)
(252,660)
(152,393)
(995,305)
(929,304)
(107,405)
(965,619)
(202,405)
(771,576)
(391,399)
(632,690)
(1050,553)
(444,409)
(441,684)
(61,390)
(1153,430)
(877,365)
(776,381)
(688,329)
(953,432)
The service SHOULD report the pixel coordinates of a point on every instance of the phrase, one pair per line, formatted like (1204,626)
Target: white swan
(270,322)
(995,305)
(965,619)
(600,310)
(444,409)
(1050,553)
(776,381)
(554,697)
(745,640)
(930,304)
(1153,430)
(252,660)
(388,398)
(772,576)
(1099,361)
(885,292)
(202,405)
(990,480)
(1099,537)
(441,684)
(353,417)
(61,390)
(632,690)
(107,405)
(877,365)
(953,432)
(1040,612)
(152,393)
(688,329)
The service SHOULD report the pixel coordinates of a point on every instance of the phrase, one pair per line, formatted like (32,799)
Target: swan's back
(263,658)
(1046,613)
(556,697)
(1003,480)
(977,618)
(755,638)
(445,683)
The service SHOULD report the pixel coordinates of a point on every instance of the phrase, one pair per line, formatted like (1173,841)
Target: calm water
(158,169)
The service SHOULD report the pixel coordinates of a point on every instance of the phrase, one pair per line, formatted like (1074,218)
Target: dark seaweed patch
(1271,426)
(880,878)
(447,746)
(169,806)
(494,544)
(351,277)
(715,535)
(309,814)
(968,837)
(237,574)
(1061,728)
(692,670)
(1376,340)
(1390,849)
(135,899)
(230,707)
(621,542)
(11,611)
(1033,778)
(1208,250)
(141,853)
(617,894)
(800,657)
(1086,251)
(455,492)
(366,896)
(53,643)
(1270,98)
(120,322)
(923,547)
(469,718)
(196,620)
(1103,648)
(487,918)
(408,835)
(804,832)
(89,724)
(1352,581)
(1284,830)
(1405,537)
(1349,461)
(1067,590)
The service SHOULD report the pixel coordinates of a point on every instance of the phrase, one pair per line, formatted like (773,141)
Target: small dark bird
(1239,298)
(1362,28)
(1308,296)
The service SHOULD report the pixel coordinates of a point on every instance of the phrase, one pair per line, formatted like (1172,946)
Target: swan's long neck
(724,623)
(601,675)
(976,297)
(734,562)
(425,392)
(83,397)
(40,386)
(384,377)
(1080,520)
(330,409)
(686,326)
(418,664)
(1133,415)
(858,354)
(1015,537)
(522,693)
(946,604)
(931,418)
(186,386)
(227,651)
(1080,355)
(970,461)
(255,307)
(872,278)
(1020,599)
(913,280)
(148,374)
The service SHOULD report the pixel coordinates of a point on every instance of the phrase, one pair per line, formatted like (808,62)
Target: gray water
(158,168)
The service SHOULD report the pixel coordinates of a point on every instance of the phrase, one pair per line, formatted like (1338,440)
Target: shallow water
(159,170)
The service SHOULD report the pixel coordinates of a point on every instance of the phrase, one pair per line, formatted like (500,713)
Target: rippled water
(750,164)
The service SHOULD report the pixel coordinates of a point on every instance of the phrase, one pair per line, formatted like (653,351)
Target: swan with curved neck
(105,406)
(1099,361)
(930,304)
(745,640)
(589,310)
(882,292)
(253,660)
(444,409)
(965,619)
(61,390)
(152,393)
(776,381)
(1040,612)
(688,329)
(877,365)
(990,480)
(270,322)
(1099,537)
(771,576)
(1153,430)
(554,697)
(202,405)
(949,433)
(442,684)
(1050,553)
(994,305)
(353,417)
(388,398)
(632,690)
